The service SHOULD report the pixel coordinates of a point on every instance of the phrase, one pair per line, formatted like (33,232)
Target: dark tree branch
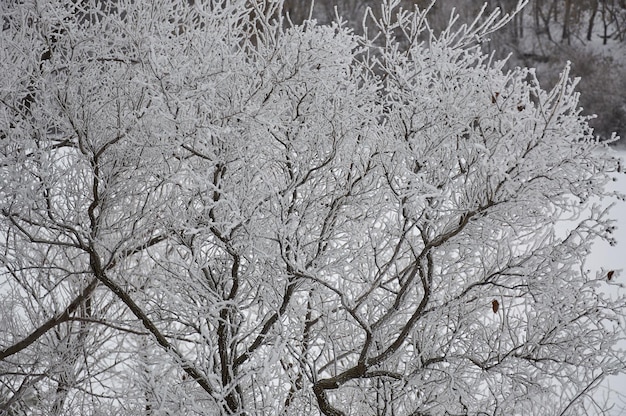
(51,323)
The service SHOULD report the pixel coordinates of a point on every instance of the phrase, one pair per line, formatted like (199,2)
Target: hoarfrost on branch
(207,210)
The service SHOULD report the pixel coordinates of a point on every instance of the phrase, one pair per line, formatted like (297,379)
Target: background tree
(545,34)
(206,210)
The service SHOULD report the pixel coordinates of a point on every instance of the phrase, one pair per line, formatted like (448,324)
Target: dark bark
(567,14)
(125,297)
(51,323)
(592,18)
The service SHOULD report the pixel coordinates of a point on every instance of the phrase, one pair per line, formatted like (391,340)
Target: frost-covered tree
(206,210)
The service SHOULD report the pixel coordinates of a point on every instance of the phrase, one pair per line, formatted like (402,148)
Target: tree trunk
(592,18)
(565,35)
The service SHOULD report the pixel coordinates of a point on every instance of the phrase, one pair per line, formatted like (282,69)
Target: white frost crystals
(235,216)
